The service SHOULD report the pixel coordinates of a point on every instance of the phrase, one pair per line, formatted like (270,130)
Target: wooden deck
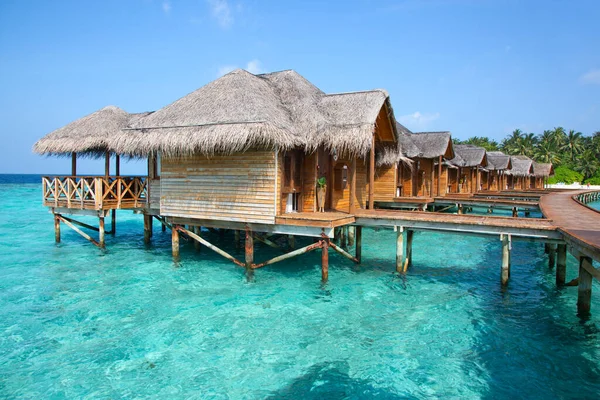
(579,224)
(486,202)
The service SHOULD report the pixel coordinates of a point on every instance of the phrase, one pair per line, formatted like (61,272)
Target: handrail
(95,192)
(587,197)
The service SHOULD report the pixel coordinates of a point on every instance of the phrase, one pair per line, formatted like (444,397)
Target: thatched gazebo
(470,160)
(522,169)
(541,173)
(498,164)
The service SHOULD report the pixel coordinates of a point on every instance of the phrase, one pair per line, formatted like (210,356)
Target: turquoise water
(77,322)
(595,204)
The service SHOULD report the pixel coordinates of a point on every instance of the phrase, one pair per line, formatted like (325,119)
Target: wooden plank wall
(238,187)
(425,180)
(385,183)
(154,193)
(443,181)
(407,179)
(362,184)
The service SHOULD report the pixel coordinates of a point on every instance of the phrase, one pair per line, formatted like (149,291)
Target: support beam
(372,175)
(400,249)
(236,239)
(343,237)
(198,232)
(584,290)
(57,228)
(113,222)
(325,260)
(561,265)
(292,242)
(76,229)
(551,256)
(343,252)
(107,164)
(83,225)
(287,256)
(117,165)
(409,243)
(101,231)
(175,242)
(351,235)
(73,164)
(147,228)
(209,245)
(506,247)
(515,212)
(359,244)
(249,248)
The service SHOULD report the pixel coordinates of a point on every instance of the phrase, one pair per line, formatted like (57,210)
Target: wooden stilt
(359,244)
(515,213)
(249,248)
(551,256)
(343,237)
(292,242)
(113,222)
(400,249)
(409,242)
(351,235)
(71,224)
(506,247)
(198,231)
(57,228)
(584,291)
(175,242)
(101,232)
(460,209)
(147,228)
(163,227)
(294,253)
(325,261)
(561,265)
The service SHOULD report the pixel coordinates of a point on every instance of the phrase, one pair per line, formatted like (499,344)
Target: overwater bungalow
(518,177)
(244,152)
(470,161)
(498,164)
(540,175)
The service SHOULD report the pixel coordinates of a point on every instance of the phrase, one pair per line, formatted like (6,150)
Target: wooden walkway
(580,225)
(486,202)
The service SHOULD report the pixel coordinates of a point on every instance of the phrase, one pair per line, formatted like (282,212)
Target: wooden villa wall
(407,179)
(362,184)
(385,183)
(309,183)
(154,194)
(424,178)
(443,180)
(238,187)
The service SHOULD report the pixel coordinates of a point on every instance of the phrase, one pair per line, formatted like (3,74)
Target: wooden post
(175,242)
(478,179)
(409,242)
(515,212)
(584,291)
(73,164)
(101,232)
(117,165)
(359,243)
(57,228)
(400,249)
(147,228)
(343,237)
(431,183)
(506,247)
(249,248)
(107,164)
(113,222)
(353,186)
(198,231)
(439,182)
(460,209)
(372,175)
(561,265)
(551,256)
(292,242)
(236,239)
(351,235)
(325,260)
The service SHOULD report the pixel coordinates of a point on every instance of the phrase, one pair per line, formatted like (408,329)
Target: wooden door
(324,170)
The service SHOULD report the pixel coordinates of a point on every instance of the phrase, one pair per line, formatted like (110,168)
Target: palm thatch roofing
(498,161)
(467,155)
(416,145)
(90,134)
(521,166)
(238,111)
(542,170)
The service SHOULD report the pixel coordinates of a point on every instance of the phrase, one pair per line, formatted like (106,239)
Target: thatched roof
(235,112)
(430,145)
(542,170)
(498,161)
(402,129)
(89,134)
(467,155)
(521,166)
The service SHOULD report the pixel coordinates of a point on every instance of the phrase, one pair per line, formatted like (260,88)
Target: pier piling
(57,228)
(584,290)
(325,260)
(101,232)
(198,231)
(249,248)
(506,247)
(175,242)
(409,242)
(148,227)
(113,222)
(351,235)
(400,249)
(561,264)
(292,242)
(551,256)
(358,244)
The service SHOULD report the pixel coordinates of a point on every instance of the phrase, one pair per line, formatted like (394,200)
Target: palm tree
(558,136)
(573,144)
(588,163)
(546,152)
(510,144)
(525,145)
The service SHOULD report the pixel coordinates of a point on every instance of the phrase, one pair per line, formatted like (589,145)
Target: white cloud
(253,66)
(417,120)
(225,69)
(592,77)
(166,6)
(221,11)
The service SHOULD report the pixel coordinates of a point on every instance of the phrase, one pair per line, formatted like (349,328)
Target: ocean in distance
(77,322)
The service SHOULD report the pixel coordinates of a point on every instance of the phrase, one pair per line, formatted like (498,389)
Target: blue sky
(474,67)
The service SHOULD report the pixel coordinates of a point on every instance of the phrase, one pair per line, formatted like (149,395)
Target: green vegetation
(571,151)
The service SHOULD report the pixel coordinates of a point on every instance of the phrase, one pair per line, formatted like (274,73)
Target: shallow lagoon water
(77,322)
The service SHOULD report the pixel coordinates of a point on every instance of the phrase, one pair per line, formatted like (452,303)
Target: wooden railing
(95,192)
